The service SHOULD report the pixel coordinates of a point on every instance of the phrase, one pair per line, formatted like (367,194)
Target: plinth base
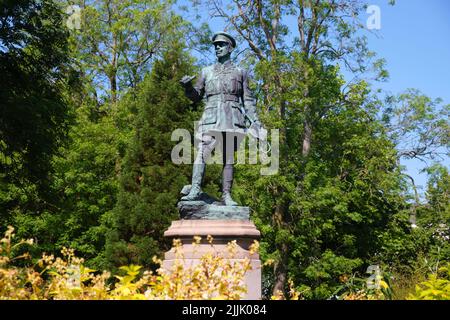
(223,232)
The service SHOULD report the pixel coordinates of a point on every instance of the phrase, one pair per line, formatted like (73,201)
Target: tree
(419,128)
(119,39)
(115,45)
(124,38)
(438,193)
(300,89)
(149,182)
(434,215)
(36,76)
(418,125)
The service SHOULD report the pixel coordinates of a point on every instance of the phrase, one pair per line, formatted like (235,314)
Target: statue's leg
(228,169)
(198,169)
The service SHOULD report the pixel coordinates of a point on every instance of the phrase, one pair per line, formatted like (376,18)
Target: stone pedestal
(223,231)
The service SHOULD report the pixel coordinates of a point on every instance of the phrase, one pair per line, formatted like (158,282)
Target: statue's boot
(227,182)
(198,172)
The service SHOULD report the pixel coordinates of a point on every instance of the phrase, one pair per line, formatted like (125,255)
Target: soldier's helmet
(224,37)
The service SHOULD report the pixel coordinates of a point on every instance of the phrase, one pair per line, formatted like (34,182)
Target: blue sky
(415,41)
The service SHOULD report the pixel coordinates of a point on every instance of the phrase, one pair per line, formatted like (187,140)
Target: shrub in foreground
(214,277)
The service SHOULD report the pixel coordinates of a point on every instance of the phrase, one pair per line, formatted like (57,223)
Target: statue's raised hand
(186,80)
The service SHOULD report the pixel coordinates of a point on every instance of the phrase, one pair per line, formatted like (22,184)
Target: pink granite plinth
(223,232)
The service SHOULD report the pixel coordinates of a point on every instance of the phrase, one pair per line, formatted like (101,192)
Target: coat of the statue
(229,103)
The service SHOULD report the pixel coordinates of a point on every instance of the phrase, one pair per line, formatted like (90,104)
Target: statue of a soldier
(229,103)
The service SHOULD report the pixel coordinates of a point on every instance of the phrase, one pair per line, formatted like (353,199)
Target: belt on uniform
(225,97)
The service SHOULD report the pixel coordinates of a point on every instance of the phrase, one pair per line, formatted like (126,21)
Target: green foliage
(324,273)
(35,115)
(418,125)
(149,182)
(341,197)
(438,194)
(340,191)
(84,185)
(433,218)
(436,287)
(119,40)
(338,185)
(355,288)
(339,203)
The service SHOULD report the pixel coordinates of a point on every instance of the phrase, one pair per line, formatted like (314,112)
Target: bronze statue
(229,106)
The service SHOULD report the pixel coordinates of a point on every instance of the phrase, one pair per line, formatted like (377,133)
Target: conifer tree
(34,112)
(150,183)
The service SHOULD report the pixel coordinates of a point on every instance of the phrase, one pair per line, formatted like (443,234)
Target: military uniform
(229,106)
(228,99)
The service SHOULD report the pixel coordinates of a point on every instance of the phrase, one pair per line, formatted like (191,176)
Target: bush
(436,287)
(214,277)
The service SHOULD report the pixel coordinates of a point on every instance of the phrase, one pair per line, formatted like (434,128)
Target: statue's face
(222,48)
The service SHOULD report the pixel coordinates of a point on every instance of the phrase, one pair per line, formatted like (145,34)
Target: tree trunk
(413,212)
(281,267)
(113,86)
(113,74)
(281,273)
(307,135)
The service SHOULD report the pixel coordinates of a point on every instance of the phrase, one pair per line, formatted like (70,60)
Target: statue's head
(223,44)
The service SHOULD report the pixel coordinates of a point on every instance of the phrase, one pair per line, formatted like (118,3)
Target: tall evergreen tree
(150,183)
(34,113)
